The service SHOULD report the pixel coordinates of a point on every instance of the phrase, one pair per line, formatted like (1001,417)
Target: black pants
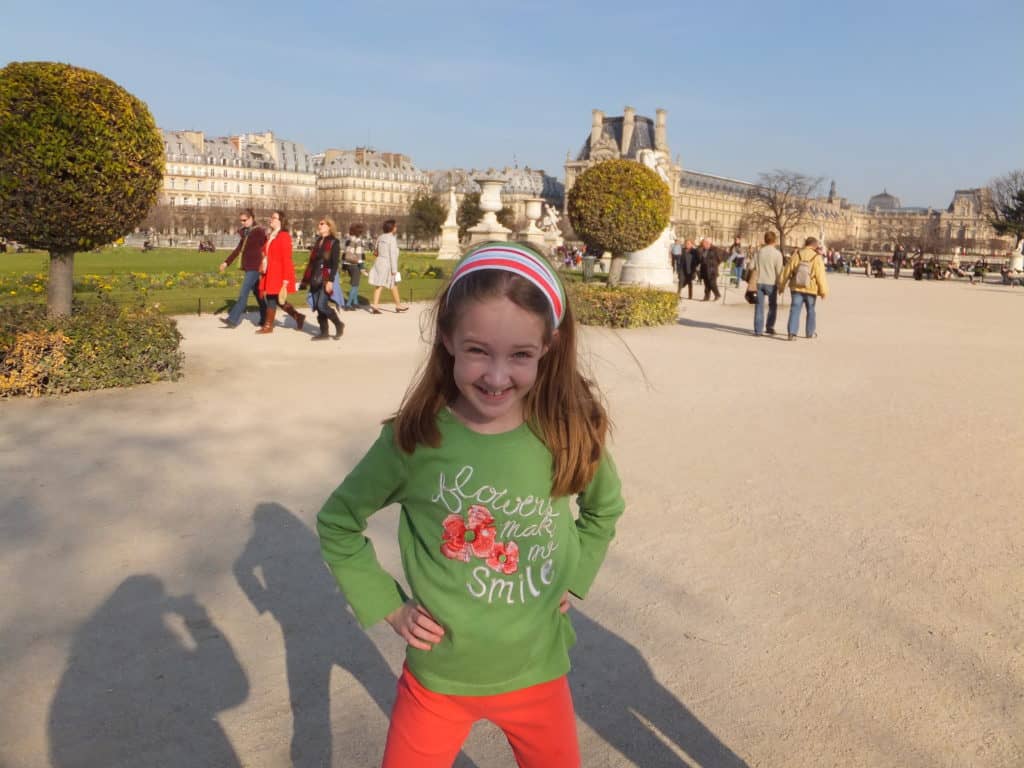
(711,286)
(686,281)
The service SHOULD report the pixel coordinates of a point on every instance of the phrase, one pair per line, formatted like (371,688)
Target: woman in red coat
(277,274)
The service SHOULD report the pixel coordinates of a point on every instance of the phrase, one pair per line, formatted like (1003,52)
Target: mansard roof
(612,128)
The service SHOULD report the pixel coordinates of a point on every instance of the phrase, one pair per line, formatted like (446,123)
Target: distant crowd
(266,258)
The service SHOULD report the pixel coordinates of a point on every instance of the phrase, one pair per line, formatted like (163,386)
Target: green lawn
(179,281)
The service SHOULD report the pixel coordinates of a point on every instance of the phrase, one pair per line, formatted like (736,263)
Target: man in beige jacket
(805,274)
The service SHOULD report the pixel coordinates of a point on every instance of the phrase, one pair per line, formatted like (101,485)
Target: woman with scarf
(277,273)
(319,277)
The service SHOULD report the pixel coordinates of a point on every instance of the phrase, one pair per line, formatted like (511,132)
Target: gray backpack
(802,276)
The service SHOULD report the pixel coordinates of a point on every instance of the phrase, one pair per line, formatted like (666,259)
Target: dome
(884,202)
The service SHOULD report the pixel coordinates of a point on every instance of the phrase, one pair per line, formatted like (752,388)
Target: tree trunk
(615,270)
(58,295)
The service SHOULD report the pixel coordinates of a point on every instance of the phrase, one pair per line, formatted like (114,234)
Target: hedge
(619,206)
(100,345)
(622,307)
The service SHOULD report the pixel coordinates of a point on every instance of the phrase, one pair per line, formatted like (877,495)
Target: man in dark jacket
(686,268)
(251,240)
(709,259)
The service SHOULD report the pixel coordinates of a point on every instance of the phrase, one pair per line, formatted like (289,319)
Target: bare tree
(782,200)
(1004,207)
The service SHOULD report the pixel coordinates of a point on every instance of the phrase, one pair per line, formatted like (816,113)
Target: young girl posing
(489,442)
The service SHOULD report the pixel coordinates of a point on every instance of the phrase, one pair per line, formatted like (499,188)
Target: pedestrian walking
(384,272)
(805,276)
(251,240)
(767,264)
(277,273)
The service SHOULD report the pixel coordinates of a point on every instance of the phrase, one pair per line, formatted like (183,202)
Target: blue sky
(918,97)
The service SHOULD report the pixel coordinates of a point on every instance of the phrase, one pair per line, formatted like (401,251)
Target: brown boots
(268,323)
(294,314)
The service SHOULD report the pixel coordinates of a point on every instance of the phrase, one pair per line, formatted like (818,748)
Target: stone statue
(650,158)
(551,218)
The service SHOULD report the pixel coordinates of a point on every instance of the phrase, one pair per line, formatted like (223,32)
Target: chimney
(660,133)
(596,127)
(627,129)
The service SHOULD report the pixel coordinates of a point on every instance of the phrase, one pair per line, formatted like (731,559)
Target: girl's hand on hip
(414,624)
(563,604)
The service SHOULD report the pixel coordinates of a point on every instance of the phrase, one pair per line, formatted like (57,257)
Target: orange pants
(428,729)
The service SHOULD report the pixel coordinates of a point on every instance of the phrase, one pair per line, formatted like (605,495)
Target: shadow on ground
(138,692)
(618,696)
(715,327)
(281,571)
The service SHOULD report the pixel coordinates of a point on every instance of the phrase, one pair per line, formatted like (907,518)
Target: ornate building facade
(256,170)
(367,183)
(706,205)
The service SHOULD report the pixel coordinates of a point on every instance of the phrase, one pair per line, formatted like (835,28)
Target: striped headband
(519,261)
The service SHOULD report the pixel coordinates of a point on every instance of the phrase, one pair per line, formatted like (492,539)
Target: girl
(499,428)
(277,273)
(320,274)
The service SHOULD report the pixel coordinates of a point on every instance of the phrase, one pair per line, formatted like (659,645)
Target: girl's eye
(475,351)
(523,355)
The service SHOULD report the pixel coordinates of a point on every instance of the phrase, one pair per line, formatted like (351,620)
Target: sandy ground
(820,563)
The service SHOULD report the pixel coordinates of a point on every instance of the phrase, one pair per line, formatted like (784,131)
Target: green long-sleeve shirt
(484,548)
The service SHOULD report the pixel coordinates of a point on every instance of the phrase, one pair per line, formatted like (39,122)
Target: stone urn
(533,233)
(489,228)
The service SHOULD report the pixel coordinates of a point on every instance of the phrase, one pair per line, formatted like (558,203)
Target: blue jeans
(771,293)
(353,296)
(800,300)
(250,284)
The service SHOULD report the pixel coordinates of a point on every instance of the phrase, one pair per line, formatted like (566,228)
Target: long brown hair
(563,408)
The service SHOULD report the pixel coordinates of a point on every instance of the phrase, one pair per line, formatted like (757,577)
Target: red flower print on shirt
(504,558)
(481,523)
(460,540)
(453,540)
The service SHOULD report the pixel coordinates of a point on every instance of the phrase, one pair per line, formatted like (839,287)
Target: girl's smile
(496,347)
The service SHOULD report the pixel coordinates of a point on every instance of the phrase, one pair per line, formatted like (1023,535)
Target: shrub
(619,206)
(101,345)
(622,307)
(81,163)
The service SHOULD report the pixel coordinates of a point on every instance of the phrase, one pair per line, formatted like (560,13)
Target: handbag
(398,277)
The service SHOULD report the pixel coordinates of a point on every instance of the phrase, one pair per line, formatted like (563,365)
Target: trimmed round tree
(81,162)
(619,206)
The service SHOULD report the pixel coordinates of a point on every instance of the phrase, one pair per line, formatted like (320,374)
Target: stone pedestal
(489,228)
(651,266)
(450,231)
(1017,257)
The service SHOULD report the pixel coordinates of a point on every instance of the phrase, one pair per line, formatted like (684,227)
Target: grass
(178,280)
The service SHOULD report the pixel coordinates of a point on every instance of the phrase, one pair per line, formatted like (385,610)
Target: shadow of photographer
(145,679)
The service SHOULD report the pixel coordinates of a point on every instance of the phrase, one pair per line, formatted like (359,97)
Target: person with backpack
(352,263)
(805,275)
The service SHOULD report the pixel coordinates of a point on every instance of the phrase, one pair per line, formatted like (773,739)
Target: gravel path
(820,564)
